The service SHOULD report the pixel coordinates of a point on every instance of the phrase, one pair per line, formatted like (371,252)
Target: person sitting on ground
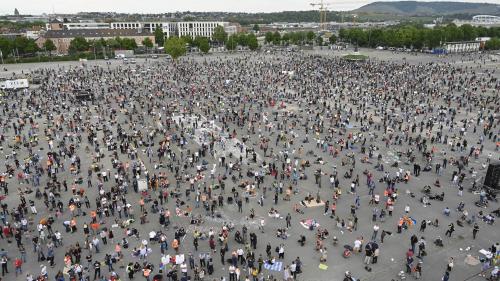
(297,209)
(302,240)
(238,237)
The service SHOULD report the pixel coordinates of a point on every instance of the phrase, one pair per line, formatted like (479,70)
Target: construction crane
(323,8)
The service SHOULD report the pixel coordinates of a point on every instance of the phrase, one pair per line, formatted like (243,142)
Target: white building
(80,25)
(198,28)
(150,26)
(32,34)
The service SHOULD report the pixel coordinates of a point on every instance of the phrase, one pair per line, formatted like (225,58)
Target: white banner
(14,84)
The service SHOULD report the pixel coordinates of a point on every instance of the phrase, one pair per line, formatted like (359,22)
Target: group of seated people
(273,213)
(322,234)
(196,219)
(282,233)
(309,198)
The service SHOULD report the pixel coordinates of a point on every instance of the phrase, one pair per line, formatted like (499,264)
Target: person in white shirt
(375,232)
(184,269)
(261,225)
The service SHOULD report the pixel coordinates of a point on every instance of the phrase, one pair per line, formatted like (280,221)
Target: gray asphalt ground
(392,251)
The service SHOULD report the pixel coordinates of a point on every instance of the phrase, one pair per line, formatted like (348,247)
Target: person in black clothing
(4,262)
(195,243)
(475,230)
(130,271)
(451,229)
(222,255)
(97,269)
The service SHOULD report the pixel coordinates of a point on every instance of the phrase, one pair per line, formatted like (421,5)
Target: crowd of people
(201,169)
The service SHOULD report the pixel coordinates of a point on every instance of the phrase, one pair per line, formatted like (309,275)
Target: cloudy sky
(159,6)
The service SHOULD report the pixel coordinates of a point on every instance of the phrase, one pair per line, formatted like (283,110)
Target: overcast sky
(160,6)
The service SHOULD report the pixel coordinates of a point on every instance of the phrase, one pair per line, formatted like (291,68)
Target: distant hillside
(415,8)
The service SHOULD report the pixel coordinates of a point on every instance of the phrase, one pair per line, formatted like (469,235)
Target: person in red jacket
(18,263)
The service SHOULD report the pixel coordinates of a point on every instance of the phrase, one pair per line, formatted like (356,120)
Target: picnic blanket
(313,204)
(306,223)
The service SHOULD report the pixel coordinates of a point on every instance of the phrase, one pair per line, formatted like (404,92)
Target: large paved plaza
(239,141)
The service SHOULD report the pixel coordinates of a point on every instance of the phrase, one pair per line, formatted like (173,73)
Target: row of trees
(415,36)
(18,46)
(493,44)
(80,44)
(177,47)
(296,38)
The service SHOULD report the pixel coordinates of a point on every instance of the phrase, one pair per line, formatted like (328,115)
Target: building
(199,28)
(150,26)
(486,19)
(33,33)
(190,28)
(62,38)
(480,20)
(57,25)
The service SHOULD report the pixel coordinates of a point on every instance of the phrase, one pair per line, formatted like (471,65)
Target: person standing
(450,265)
(451,229)
(413,242)
(475,230)
(421,248)
(423,225)
(288,220)
(97,269)
(261,225)
(446,276)
(4,261)
(368,255)
(382,236)
(375,232)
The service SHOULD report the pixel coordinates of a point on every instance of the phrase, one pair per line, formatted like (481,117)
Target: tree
(78,44)
(159,37)
(147,42)
(128,44)
(219,35)
(285,38)
(188,40)
(310,36)
(202,44)
(269,37)
(276,38)
(256,28)
(319,40)
(332,39)
(232,42)
(253,44)
(468,32)
(5,46)
(492,44)
(113,43)
(242,39)
(49,46)
(343,33)
(175,47)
